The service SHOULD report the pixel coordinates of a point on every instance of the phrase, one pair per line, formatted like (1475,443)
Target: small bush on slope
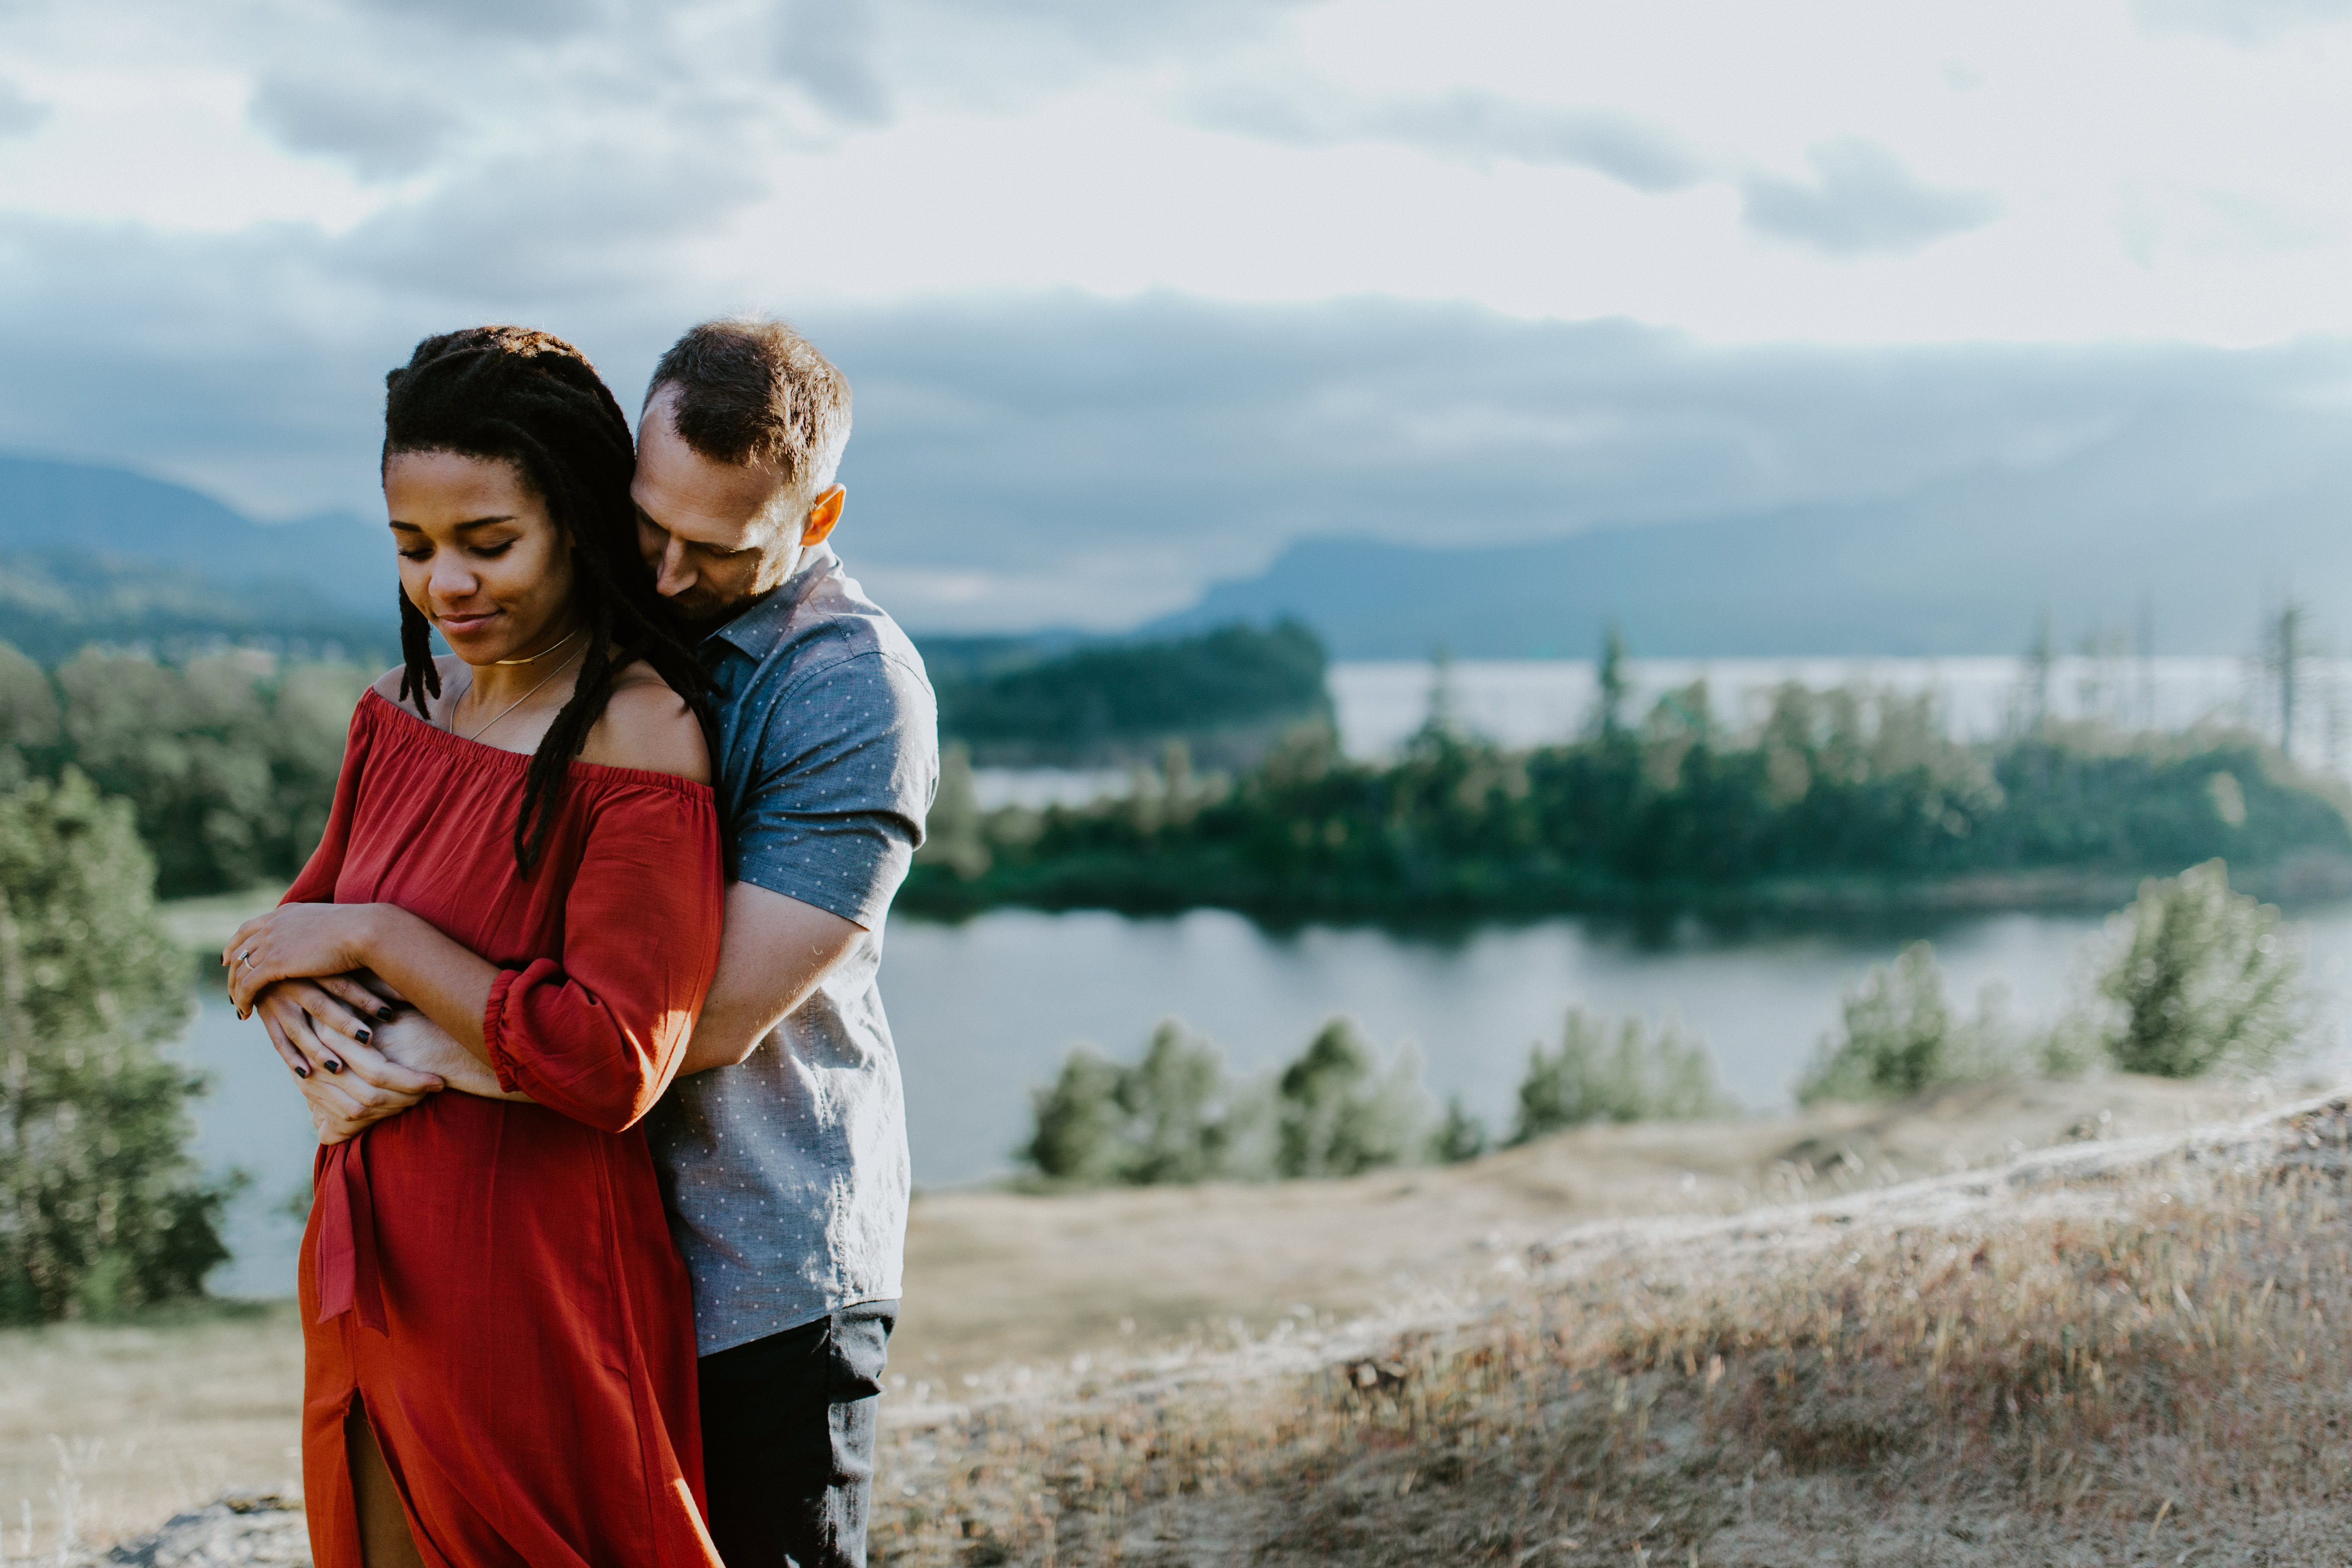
(2201,977)
(1614,1070)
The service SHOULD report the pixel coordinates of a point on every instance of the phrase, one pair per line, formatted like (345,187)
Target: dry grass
(2117,1356)
(1483,1362)
(106,1429)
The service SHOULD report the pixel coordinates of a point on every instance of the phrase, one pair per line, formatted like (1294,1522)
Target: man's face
(716,535)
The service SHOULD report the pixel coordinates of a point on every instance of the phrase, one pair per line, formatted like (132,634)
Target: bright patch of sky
(1827,170)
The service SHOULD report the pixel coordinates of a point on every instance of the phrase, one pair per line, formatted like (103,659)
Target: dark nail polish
(301,1072)
(334,1066)
(387,1012)
(365,1036)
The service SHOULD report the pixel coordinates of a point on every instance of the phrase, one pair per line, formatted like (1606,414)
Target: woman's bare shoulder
(649,727)
(387,685)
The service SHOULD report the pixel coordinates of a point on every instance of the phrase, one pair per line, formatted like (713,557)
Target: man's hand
(416,1043)
(329,1033)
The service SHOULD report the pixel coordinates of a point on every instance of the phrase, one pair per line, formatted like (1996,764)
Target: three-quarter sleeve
(598,1034)
(316,885)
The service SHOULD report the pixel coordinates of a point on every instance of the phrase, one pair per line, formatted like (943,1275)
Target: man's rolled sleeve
(847,765)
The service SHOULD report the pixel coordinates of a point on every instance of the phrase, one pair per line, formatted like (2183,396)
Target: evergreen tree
(1895,1035)
(1615,687)
(1077,1122)
(1460,1137)
(100,1207)
(1171,1117)
(2201,977)
(1611,1070)
(1336,1114)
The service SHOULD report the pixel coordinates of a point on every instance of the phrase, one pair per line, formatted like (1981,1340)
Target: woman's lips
(459,626)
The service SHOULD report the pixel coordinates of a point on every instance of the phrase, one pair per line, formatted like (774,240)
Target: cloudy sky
(1132,295)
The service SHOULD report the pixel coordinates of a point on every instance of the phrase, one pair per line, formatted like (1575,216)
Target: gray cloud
(1058,459)
(590,220)
(1863,202)
(2244,22)
(827,48)
(540,20)
(1127,32)
(1483,125)
(19,114)
(1469,127)
(380,133)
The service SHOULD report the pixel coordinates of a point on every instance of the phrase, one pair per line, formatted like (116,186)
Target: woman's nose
(453,582)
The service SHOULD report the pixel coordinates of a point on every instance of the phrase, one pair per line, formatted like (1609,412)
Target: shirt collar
(756,629)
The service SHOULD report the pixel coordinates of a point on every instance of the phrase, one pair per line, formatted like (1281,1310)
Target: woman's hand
(297,941)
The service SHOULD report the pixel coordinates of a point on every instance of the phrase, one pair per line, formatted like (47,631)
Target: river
(984,1010)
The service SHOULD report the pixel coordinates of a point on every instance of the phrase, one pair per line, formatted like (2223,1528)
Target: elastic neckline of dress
(516,761)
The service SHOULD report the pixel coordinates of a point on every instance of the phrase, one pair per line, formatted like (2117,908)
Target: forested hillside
(1227,694)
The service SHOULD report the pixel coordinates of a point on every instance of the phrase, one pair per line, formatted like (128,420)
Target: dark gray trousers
(788,1440)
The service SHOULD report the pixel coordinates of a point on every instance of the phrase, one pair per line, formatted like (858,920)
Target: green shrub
(2199,977)
(1171,1117)
(1175,1116)
(1337,1114)
(1611,1070)
(1077,1122)
(1460,1135)
(100,1207)
(1898,1036)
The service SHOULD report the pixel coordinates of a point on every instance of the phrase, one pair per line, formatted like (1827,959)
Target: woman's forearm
(439,976)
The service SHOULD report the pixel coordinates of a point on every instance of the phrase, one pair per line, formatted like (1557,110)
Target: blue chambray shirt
(786,1176)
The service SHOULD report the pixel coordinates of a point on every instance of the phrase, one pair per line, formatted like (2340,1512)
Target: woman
(500,1344)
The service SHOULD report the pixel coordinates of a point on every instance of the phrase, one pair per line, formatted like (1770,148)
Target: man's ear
(823,515)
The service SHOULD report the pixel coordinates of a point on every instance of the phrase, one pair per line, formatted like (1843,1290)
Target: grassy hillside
(1037,1327)
(2125,1351)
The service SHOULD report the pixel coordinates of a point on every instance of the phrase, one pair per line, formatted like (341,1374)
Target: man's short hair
(754,391)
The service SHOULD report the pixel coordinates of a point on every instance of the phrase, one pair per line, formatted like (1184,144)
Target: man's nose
(673,578)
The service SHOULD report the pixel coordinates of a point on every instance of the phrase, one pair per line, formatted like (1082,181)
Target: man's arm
(773,952)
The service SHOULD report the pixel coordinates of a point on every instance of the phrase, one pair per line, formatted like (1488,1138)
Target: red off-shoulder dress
(494,1280)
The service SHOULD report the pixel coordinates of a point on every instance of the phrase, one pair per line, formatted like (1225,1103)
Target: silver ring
(248,959)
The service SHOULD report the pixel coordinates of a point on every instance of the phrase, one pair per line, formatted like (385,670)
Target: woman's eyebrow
(478,523)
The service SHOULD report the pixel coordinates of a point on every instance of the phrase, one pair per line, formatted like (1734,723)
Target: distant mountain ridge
(93,554)
(2147,522)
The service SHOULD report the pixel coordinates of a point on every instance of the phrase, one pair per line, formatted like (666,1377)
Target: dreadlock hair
(514,395)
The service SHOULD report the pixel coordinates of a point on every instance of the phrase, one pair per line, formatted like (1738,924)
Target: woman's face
(479,554)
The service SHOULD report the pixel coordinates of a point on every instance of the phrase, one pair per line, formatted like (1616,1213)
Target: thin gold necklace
(510,707)
(542,653)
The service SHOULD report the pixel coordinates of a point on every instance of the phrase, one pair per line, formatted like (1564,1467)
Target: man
(782,1146)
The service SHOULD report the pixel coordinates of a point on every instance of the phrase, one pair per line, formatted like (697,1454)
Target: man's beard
(697,609)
